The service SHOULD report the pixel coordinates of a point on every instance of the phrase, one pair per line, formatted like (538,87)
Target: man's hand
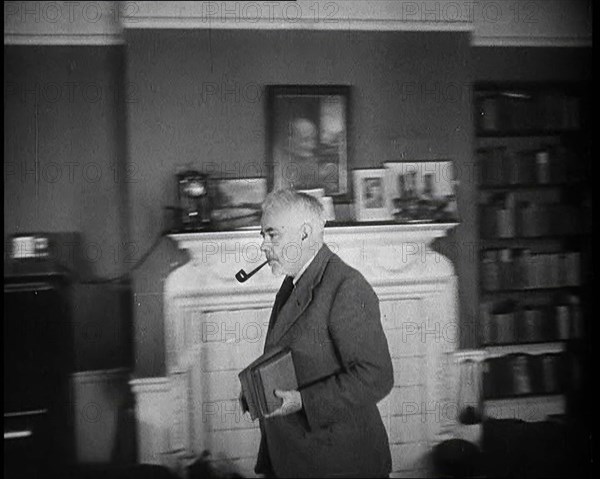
(243,403)
(292,402)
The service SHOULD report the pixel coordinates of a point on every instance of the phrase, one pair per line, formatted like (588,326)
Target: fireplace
(215,326)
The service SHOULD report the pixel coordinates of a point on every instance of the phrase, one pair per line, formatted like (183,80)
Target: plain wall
(65,171)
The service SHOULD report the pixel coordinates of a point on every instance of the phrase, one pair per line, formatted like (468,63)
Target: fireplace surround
(215,326)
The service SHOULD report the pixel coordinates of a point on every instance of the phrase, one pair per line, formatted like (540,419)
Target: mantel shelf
(433,230)
(386,253)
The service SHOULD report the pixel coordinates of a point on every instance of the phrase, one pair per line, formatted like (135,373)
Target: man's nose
(263,246)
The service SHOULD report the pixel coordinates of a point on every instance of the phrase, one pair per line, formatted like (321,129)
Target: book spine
(260,393)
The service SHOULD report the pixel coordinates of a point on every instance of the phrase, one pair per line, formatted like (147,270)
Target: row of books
(522,374)
(517,110)
(499,166)
(508,322)
(507,268)
(505,217)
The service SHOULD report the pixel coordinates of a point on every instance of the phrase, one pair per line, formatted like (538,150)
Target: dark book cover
(273,370)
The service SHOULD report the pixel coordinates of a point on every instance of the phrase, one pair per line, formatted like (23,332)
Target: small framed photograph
(369,195)
(237,202)
(421,191)
(307,137)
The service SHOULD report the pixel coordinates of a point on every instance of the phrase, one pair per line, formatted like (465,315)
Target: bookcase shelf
(526,408)
(533,187)
(551,289)
(524,241)
(523,187)
(526,398)
(522,133)
(495,350)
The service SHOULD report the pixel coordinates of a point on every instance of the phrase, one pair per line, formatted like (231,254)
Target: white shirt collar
(303,269)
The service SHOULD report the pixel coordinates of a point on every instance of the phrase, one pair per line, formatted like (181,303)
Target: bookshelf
(532,160)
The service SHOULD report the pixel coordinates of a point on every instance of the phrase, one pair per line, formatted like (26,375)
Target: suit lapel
(300,297)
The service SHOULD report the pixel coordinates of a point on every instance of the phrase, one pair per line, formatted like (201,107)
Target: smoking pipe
(242,276)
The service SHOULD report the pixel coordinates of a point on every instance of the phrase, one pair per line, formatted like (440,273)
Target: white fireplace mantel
(384,253)
(215,326)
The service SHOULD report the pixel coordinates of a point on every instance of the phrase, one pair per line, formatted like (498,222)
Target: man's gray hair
(308,208)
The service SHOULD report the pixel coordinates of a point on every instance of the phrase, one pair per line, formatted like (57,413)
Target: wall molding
(494,23)
(52,39)
(523,41)
(352,15)
(350,24)
(64,23)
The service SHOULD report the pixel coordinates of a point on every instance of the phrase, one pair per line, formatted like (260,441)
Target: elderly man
(328,315)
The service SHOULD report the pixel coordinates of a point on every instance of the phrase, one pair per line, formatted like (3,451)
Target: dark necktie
(282,296)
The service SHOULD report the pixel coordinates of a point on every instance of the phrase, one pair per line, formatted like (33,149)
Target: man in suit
(328,315)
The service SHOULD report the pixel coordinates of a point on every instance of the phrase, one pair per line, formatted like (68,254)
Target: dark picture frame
(307,137)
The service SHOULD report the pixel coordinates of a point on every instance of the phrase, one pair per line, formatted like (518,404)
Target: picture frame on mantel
(307,138)
(237,202)
(421,191)
(370,199)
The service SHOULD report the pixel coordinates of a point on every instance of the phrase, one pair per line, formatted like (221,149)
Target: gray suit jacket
(331,323)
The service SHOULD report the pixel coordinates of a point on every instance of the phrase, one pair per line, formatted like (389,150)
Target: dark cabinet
(38,362)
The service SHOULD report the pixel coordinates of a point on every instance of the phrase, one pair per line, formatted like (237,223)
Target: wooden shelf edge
(528,408)
(497,350)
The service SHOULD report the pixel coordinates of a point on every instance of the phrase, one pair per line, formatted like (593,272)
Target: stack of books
(273,370)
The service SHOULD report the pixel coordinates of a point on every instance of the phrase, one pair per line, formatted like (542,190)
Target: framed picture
(307,137)
(237,202)
(421,191)
(370,202)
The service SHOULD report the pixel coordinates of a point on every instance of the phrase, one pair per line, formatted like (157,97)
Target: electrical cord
(121,277)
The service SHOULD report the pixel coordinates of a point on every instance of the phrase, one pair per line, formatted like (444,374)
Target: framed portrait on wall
(370,203)
(421,191)
(307,137)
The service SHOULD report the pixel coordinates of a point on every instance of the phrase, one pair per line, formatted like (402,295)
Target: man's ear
(305,231)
